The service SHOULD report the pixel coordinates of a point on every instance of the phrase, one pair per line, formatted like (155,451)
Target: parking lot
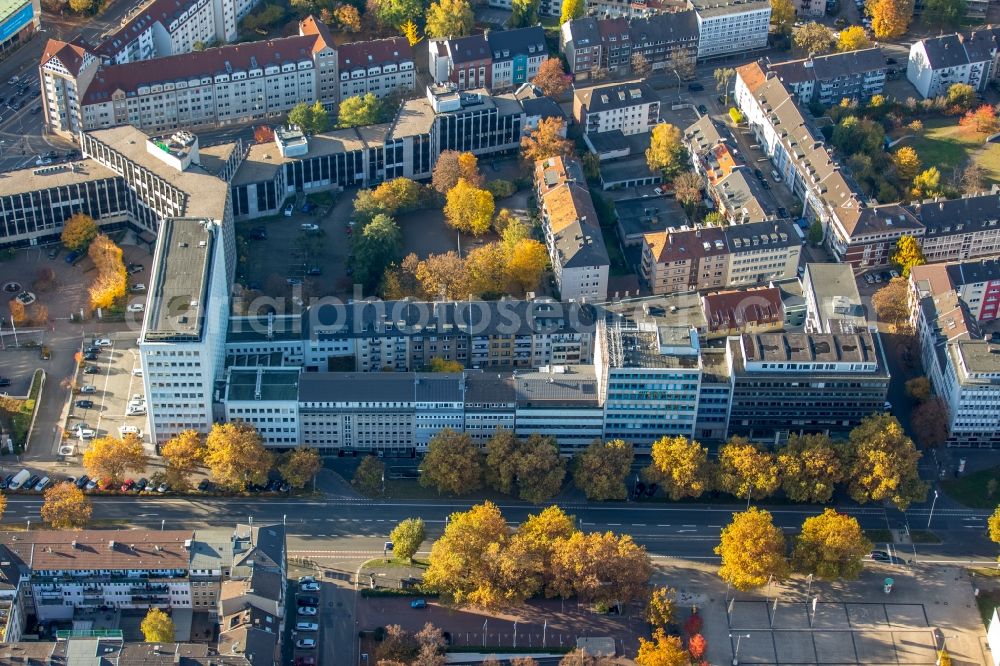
(103,390)
(313,618)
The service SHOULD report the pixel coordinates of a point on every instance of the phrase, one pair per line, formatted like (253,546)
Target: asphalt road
(357,527)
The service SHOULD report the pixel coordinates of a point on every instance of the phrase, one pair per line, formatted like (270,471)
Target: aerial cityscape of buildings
(669,250)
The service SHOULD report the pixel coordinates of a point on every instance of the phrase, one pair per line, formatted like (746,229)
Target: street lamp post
(736,652)
(931,517)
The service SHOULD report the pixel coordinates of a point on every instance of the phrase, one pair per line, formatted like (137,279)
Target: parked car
(314,270)
(129,430)
(128,485)
(775,175)
(141,484)
(289,209)
(90,370)
(32,482)
(309,587)
(306,626)
(205,485)
(105,484)
(91,484)
(163,487)
(307,610)
(42,484)
(702,109)
(307,579)
(307,601)
(85,404)
(136,307)
(83,432)
(309,227)
(305,643)
(72,256)
(90,356)
(293,280)
(139,287)
(82,482)
(418,603)
(308,207)
(305,661)
(135,268)
(102,342)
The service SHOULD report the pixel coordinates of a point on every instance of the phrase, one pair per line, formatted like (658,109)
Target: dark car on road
(695,87)
(4,381)
(702,109)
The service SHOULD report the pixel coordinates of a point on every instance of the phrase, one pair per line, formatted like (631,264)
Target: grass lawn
(879,536)
(924,536)
(944,144)
(987,601)
(970,490)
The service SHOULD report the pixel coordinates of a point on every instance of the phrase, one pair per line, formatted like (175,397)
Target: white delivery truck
(19,479)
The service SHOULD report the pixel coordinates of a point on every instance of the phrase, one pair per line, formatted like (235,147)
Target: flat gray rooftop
(263,384)
(180,284)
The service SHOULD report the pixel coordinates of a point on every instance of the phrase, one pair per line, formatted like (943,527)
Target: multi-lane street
(357,527)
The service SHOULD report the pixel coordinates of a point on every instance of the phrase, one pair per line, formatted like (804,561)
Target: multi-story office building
(828,79)
(648,378)
(630,108)
(559,402)
(383,67)
(19,22)
(797,382)
(182,342)
(731,26)
(701,258)
(211,88)
(66,70)
(962,365)
(833,304)
(936,63)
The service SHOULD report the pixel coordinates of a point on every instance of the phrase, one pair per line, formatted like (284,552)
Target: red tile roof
(163,11)
(100,549)
(131,76)
(69,54)
(731,310)
(378,52)
(310,25)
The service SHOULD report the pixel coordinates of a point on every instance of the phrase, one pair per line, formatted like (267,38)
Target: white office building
(731,26)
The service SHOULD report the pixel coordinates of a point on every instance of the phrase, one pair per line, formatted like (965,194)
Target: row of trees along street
(877,463)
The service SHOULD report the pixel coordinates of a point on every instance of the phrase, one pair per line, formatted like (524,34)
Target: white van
(129,430)
(19,479)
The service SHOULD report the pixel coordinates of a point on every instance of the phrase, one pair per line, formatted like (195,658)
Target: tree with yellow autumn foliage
(110,459)
(752,550)
(469,208)
(890,18)
(66,507)
(236,457)
(184,453)
(111,283)
(78,231)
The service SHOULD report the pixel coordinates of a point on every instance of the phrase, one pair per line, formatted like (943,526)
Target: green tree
(831,546)
(666,150)
(369,475)
(746,470)
(299,465)
(723,75)
(927,184)
(524,13)
(310,118)
(359,110)
(157,627)
(572,9)
(961,96)
(407,537)
(680,466)
(449,18)
(946,13)
(541,470)
(782,16)
(377,246)
(883,463)
(811,467)
(907,255)
(813,38)
(815,236)
(394,13)
(752,550)
(452,464)
(601,468)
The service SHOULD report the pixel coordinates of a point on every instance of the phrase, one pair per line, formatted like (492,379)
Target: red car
(128,485)
(305,661)
(104,484)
